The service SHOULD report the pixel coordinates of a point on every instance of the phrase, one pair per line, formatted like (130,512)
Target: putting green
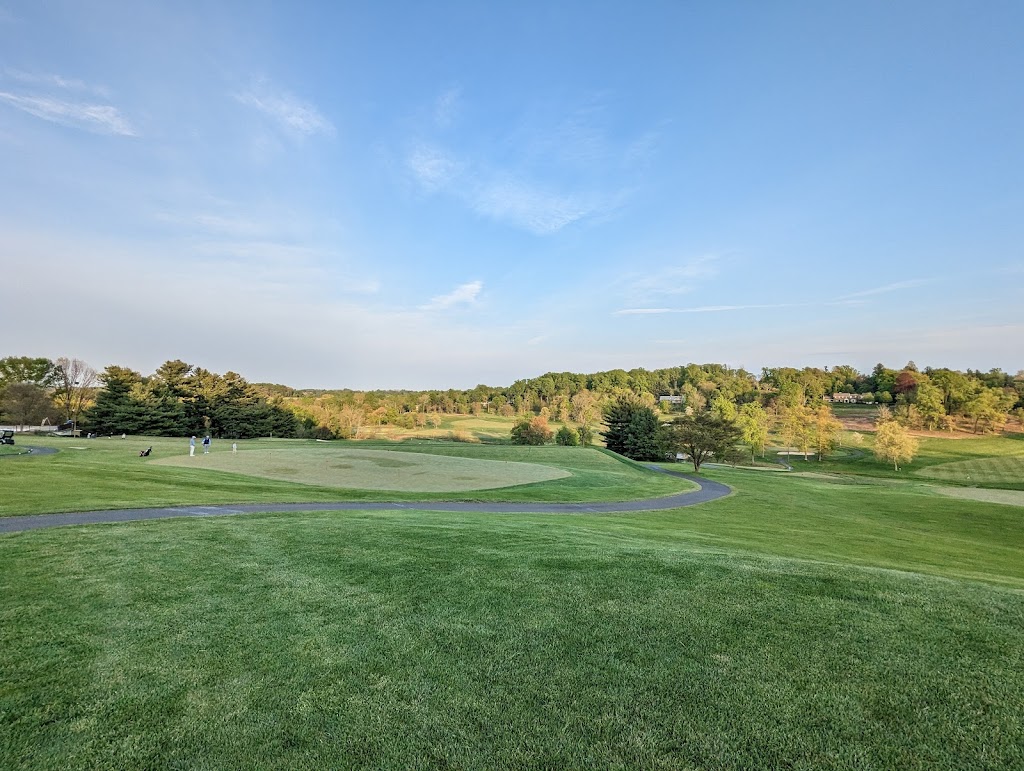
(370,469)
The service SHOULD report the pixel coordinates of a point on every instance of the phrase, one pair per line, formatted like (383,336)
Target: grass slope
(417,639)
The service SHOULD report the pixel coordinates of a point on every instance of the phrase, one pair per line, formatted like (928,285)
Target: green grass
(809,621)
(108,474)
(991,472)
(417,639)
(933,453)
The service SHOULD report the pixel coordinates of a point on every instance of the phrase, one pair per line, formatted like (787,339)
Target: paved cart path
(708,491)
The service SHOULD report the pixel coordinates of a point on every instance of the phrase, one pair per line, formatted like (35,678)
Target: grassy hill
(811,620)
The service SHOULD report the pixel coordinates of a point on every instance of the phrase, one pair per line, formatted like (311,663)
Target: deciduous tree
(73,384)
(26,404)
(753,423)
(894,444)
(826,430)
(701,436)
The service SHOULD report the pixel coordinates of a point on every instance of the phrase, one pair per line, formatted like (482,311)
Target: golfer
(191,446)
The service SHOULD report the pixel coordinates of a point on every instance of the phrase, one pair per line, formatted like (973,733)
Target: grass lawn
(108,474)
(418,639)
(808,621)
(982,461)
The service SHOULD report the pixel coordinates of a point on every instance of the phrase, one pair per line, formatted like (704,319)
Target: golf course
(836,616)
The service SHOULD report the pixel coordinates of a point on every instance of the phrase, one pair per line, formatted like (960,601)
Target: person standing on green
(206,445)
(191,447)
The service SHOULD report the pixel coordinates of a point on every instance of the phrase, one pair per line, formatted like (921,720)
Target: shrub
(533,431)
(567,437)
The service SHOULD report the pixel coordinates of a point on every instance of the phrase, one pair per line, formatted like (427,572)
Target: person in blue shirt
(192,446)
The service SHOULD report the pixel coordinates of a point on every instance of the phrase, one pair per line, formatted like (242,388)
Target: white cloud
(464,294)
(99,118)
(289,112)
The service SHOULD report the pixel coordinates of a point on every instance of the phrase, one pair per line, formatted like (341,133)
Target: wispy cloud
(98,118)
(503,197)
(728,308)
(527,206)
(446,107)
(464,294)
(432,167)
(288,111)
(675,279)
(50,80)
(886,288)
(706,309)
(546,173)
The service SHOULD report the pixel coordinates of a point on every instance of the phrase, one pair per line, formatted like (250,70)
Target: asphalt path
(708,491)
(24,450)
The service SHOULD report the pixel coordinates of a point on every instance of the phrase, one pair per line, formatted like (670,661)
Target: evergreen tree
(633,429)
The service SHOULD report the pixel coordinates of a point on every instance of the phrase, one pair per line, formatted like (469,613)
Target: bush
(567,437)
(535,431)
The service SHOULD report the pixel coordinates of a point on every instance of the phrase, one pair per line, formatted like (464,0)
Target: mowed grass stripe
(343,467)
(992,471)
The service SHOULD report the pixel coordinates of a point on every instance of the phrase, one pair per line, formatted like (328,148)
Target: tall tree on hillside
(585,408)
(702,436)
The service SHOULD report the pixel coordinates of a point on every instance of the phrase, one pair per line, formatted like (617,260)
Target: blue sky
(420,195)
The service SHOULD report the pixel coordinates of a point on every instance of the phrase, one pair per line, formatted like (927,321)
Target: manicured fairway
(997,472)
(808,621)
(345,467)
(416,639)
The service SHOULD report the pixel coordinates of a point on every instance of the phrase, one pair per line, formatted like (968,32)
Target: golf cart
(6,436)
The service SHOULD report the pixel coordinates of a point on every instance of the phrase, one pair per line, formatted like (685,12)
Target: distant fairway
(1004,471)
(341,467)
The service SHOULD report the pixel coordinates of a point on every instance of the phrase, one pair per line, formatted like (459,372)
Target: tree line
(177,400)
(180,398)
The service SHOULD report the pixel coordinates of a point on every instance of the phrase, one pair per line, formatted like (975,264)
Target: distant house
(671,399)
(844,398)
